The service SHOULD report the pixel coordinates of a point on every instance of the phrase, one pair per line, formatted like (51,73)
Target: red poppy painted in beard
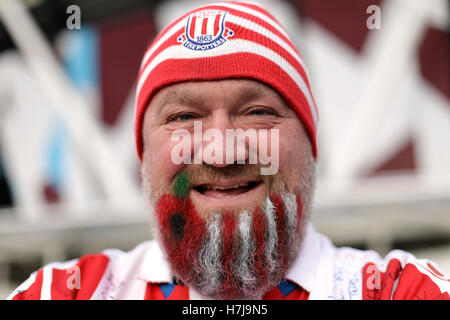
(182,232)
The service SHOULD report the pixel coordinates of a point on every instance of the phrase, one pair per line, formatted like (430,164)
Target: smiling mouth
(226,190)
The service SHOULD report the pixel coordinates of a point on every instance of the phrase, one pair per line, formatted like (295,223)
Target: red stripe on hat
(247,34)
(256,8)
(235,12)
(34,290)
(91,269)
(171,41)
(223,67)
(192,27)
(163,32)
(171,25)
(256,20)
(204,26)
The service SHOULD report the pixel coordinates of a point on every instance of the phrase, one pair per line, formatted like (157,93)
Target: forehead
(200,92)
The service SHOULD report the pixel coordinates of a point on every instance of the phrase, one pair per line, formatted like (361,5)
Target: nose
(220,147)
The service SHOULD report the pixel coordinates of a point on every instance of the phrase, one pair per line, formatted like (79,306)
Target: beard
(232,253)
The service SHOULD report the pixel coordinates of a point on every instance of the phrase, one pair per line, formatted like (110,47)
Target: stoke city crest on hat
(205,30)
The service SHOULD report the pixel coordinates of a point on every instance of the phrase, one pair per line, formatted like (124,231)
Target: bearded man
(223,227)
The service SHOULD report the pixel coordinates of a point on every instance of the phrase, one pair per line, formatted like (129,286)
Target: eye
(181,117)
(261,111)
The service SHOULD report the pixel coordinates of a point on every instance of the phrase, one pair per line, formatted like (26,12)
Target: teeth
(211,187)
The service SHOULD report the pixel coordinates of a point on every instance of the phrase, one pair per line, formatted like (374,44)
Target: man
(226,133)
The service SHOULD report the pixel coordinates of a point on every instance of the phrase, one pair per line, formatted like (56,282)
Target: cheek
(289,151)
(293,154)
(158,161)
(284,153)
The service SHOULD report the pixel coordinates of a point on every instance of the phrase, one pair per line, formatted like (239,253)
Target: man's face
(228,231)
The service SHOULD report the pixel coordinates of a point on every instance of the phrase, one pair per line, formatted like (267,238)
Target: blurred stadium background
(69,175)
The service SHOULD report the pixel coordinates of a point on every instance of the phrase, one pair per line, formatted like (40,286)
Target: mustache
(200,174)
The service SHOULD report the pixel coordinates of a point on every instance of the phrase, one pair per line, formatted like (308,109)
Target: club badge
(205,30)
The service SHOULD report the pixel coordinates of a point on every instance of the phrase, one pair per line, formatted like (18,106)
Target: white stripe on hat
(198,25)
(244,9)
(236,20)
(255,13)
(238,46)
(210,26)
(255,27)
(169,33)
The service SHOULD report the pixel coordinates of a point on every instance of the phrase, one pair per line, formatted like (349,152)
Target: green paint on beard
(181,185)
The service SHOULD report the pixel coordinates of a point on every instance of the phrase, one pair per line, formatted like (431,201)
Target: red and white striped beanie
(226,40)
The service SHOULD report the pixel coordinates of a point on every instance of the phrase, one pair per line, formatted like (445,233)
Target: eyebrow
(185,97)
(248,93)
(182,97)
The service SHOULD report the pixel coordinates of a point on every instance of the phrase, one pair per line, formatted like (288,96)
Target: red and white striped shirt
(321,271)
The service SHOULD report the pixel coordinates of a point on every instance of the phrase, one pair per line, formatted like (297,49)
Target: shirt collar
(304,267)
(156,269)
